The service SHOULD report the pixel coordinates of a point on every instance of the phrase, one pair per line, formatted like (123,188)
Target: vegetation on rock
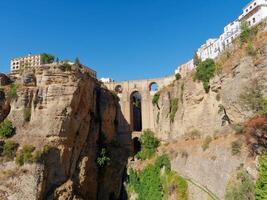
(12,92)
(103,158)
(254,99)
(261,183)
(149,145)
(157,181)
(155,99)
(205,70)
(236,147)
(206,143)
(241,188)
(173,108)
(25,155)
(9,149)
(47,58)
(6,128)
(178,76)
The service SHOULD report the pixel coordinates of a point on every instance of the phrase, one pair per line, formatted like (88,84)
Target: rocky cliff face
(75,118)
(212,115)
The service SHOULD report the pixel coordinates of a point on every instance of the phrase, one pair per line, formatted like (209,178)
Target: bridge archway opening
(136,111)
(153,87)
(118,89)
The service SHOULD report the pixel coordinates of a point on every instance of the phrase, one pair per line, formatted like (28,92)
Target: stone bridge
(136,100)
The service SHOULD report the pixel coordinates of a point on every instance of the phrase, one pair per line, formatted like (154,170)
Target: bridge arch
(118,89)
(136,111)
(153,86)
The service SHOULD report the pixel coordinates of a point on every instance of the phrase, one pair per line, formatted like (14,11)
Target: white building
(231,31)
(106,80)
(184,69)
(26,61)
(210,49)
(254,12)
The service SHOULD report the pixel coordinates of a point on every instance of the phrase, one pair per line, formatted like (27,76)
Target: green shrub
(247,33)
(163,161)
(261,183)
(173,108)
(149,145)
(47,58)
(178,76)
(6,128)
(240,189)
(205,70)
(25,155)
(158,114)
(236,147)
(152,184)
(251,51)
(12,92)
(206,143)
(155,99)
(10,149)
(172,182)
(103,158)
(66,66)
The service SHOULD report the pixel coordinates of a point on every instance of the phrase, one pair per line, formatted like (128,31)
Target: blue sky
(122,39)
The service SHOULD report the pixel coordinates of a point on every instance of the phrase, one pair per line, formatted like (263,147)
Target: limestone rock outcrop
(69,112)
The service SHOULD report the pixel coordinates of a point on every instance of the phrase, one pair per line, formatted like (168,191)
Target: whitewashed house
(254,12)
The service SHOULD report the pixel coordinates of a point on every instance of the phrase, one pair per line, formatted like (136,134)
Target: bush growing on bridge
(155,99)
(6,128)
(103,158)
(149,145)
(205,70)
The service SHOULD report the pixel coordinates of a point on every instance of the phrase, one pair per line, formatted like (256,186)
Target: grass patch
(236,147)
(206,143)
(240,188)
(155,99)
(173,108)
(12,92)
(25,155)
(9,149)
(253,98)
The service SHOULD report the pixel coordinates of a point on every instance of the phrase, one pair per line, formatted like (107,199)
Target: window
(255,4)
(246,10)
(254,20)
(250,7)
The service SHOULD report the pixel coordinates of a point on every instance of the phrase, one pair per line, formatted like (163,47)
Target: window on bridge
(153,87)
(136,111)
(118,89)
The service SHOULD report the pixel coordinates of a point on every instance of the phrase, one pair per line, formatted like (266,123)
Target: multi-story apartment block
(26,61)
